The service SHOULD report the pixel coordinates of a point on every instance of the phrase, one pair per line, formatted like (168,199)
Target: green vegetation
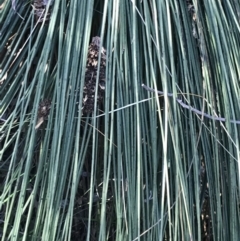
(140,166)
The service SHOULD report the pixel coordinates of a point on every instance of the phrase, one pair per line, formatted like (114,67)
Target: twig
(20,50)
(15,9)
(185,106)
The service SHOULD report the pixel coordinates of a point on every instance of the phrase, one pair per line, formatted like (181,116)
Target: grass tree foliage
(140,167)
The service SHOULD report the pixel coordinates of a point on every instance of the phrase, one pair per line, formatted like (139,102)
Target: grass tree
(119,120)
